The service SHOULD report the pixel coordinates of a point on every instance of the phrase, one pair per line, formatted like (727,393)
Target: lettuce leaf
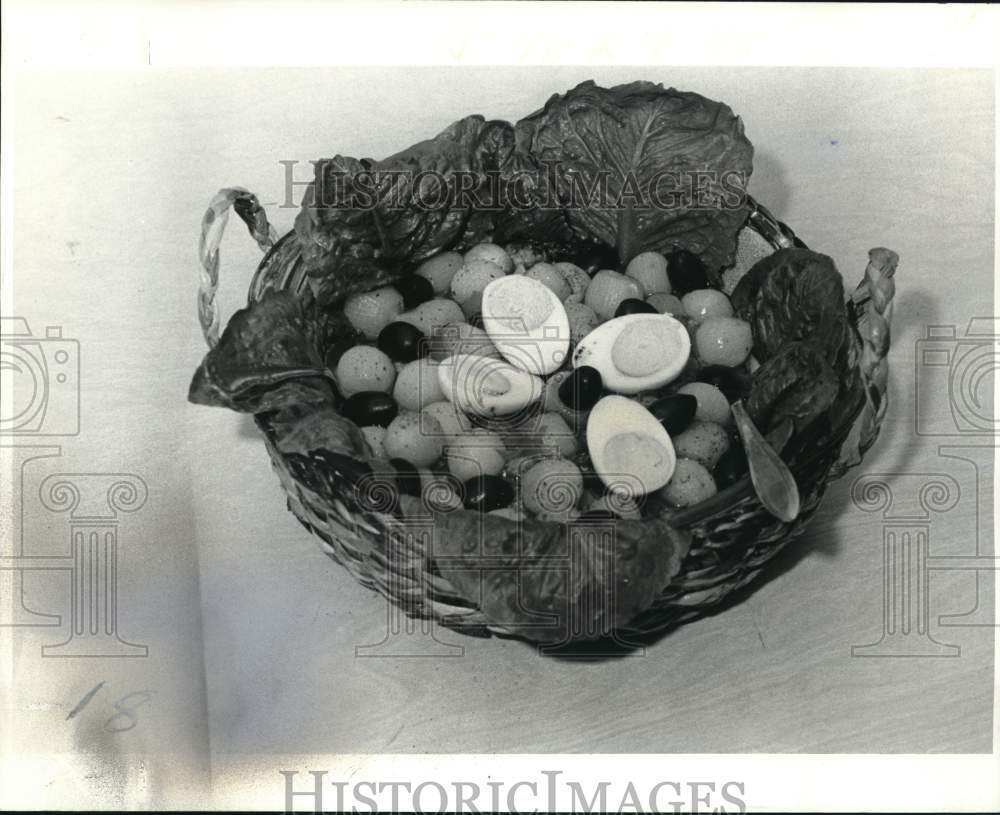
(635,167)
(268,358)
(531,580)
(670,168)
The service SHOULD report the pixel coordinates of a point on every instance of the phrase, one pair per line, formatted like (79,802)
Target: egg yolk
(642,347)
(638,455)
(516,305)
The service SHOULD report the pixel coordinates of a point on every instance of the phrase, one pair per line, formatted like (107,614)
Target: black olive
(731,467)
(415,290)
(487,492)
(402,342)
(633,305)
(733,383)
(686,272)
(370,408)
(675,412)
(407,477)
(581,390)
(596,515)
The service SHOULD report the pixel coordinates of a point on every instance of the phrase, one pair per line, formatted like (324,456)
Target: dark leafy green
(668,170)
(536,581)
(647,144)
(269,357)
(796,383)
(792,295)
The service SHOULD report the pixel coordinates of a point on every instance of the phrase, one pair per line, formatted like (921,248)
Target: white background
(252,630)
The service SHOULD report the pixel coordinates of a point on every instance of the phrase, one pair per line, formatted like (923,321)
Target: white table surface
(252,630)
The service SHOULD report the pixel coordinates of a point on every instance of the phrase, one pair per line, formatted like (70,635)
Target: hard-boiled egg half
(629,448)
(526,322)
(487,386)
(636,352)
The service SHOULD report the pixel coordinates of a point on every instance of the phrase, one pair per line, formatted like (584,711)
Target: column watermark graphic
(40,406)
(954,380)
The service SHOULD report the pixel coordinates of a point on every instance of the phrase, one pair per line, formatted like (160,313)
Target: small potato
(582,320)
(650,269)
(723,341)
(690,484)
(472,278)
(417,385)
(433,314)
(550,277)
(478,452)
(607,290)
(555,433)
(452,421)
(374,436)
(492,253)
(525,255)
(364,368)
(415,437)
(439,270)
(577,279)
(704,303)
(371,311)
(712,403)
(666,303)
(553,485)
(705,442)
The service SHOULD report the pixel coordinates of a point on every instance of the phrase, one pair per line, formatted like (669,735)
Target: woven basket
(732,535)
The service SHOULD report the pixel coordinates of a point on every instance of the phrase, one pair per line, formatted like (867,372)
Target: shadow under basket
(732,536)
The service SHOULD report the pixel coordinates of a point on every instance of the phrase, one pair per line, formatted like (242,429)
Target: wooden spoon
(772,480)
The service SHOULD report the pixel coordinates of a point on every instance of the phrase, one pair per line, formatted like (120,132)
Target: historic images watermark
(550,186)
(548,791)
(954,380)
(39,403)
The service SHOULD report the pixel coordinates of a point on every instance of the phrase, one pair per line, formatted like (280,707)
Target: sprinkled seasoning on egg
(527,323)
(486,386)
(636,352)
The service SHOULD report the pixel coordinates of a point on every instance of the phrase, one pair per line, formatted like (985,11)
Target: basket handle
(870,310)
(213,224)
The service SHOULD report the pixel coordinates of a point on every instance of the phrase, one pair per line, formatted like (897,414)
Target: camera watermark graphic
(954,380)
(39,381)
(964,367)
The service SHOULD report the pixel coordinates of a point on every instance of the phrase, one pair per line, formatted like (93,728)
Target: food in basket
(544,366)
